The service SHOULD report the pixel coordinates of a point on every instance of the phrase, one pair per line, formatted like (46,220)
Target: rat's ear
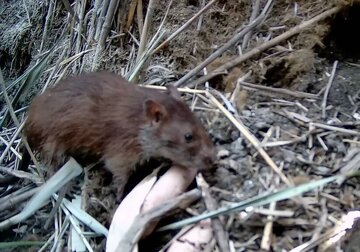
(173,92)
(154,111)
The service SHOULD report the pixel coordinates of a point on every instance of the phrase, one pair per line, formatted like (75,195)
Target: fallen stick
(277,91)
(327,90)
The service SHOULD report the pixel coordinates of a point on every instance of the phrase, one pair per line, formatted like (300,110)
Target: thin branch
(327,90)
(333,128)
(278,91)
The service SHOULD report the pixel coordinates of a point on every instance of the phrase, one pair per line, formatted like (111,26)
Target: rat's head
(172,131)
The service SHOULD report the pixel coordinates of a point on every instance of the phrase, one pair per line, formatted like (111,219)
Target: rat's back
(76,115)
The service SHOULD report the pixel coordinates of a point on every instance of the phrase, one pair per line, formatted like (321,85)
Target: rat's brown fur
(102,115)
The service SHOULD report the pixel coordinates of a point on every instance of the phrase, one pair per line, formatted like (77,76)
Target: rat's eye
(188,137)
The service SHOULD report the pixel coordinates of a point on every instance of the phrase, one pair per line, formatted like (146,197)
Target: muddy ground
(302,63)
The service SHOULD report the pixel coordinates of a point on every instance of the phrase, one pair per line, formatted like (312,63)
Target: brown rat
(104,116)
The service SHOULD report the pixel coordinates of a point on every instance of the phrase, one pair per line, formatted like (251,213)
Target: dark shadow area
(343,39)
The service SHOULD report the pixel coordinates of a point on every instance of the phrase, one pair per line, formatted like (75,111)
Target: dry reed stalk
(68,60)
(101,19)
(93,20)
(278,91)
(7,100)
(131,14)
(60,232)
(80,26)
(81,5)
(268,230)
(16,153)
(53,70)
(146,29)
(105,29)
(72,36)
(14,200)
(20,191)
(140,16)
(327,90)
(142,63)
(334,128)
(221,236)
(75,225)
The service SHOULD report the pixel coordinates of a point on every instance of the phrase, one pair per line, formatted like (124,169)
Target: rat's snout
(208,157)
(209,160)
(206,162)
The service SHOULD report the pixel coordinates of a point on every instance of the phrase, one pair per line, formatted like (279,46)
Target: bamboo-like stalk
(80,25)
(131,14)
(146,28)
(140,16)
(105,31)
(93,20)
(101,19)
